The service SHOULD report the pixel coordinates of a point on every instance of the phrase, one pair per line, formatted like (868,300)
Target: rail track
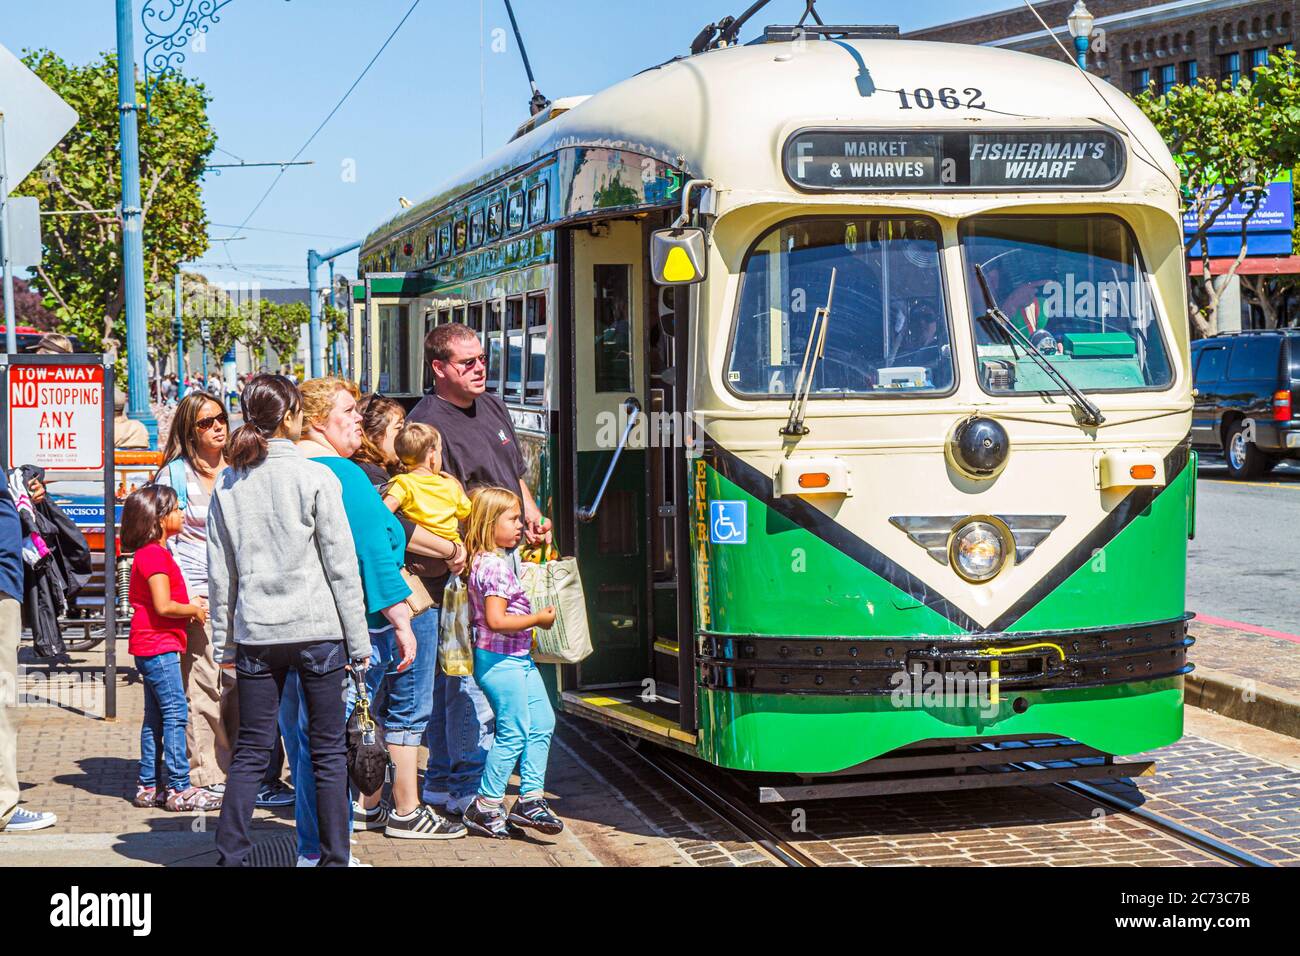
(725,802)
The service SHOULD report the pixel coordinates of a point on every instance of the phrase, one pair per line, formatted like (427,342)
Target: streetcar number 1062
(946,97)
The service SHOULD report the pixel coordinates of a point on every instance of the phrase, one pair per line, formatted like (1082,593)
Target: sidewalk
(83,768)
(1247,673)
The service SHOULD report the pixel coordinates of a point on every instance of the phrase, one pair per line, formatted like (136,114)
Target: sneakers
(275,794)
(376,818)
(423,823)
(145,797)
(486,821)
(315,861)
(23,820)
(195,798)
(536,814)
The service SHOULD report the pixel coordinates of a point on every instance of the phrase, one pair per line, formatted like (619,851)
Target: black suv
(1248,398)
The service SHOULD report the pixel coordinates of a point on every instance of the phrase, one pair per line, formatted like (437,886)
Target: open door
(628,480)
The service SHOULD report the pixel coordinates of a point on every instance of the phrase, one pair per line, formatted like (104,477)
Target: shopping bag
(557,584)
(455,635)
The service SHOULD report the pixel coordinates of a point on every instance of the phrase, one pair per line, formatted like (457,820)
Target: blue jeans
(407,697)
(165,716)
(262,673)
(525,723)
(459,735)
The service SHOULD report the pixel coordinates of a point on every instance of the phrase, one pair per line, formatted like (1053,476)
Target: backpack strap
(179,481)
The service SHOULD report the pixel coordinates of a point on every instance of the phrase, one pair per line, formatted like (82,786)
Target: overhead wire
(337,106)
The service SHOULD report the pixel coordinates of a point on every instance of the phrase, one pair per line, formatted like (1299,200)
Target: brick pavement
(1247,676)
(84,769)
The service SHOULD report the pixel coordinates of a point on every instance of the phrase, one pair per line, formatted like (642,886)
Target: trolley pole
(314,260)
(132,227)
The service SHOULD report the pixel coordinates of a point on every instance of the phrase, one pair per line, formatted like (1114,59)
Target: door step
(622,708)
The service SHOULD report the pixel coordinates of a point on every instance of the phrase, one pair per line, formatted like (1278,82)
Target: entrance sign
(862,160)
(56,416)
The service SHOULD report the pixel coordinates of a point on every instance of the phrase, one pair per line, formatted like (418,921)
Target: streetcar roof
(725,114)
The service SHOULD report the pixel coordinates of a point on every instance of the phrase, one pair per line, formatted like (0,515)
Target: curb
(1240,698)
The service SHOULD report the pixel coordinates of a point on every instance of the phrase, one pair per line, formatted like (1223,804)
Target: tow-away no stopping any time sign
(56,416)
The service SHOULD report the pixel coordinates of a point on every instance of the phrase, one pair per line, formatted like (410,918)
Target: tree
(81,278)
(279,327)
(1231,141)
(29,309)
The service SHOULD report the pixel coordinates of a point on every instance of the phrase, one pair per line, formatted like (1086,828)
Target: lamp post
(1080,22)
(314,261)
(132,228)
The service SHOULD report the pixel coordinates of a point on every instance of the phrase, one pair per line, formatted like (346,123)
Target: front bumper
(1009,661)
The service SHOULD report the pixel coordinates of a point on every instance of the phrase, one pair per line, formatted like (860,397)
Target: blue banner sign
(1268,232)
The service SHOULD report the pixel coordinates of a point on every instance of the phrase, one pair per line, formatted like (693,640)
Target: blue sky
(275,68)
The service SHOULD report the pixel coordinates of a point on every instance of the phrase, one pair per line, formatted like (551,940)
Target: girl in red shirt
(161,609)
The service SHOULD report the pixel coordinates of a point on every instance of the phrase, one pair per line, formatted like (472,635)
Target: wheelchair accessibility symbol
(727,521)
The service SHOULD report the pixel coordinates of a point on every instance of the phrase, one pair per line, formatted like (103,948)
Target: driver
(922,346)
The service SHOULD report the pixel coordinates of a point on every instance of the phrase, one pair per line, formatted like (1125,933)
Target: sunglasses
(469,363)
(203,424)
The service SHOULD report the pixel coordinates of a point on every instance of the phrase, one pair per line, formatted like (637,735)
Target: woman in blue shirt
(331,435)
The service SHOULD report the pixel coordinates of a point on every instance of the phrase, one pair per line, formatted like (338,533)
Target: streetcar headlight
(978,551)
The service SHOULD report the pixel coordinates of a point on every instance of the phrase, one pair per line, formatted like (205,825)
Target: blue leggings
(524,723)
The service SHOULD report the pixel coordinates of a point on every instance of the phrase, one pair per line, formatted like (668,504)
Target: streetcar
(854,372)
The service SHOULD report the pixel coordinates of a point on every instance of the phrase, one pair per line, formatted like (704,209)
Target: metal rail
(1193,838)
(706,795)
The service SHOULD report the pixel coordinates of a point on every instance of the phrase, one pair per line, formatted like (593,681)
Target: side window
(444,240)
(476,228)
(537,204)
(515,212)
(394,350)
(494,318)
(514,349)
(1209,366)
(460,234)
(535,324)
(1254,357)
(475,320)
(613,328)
(495,220)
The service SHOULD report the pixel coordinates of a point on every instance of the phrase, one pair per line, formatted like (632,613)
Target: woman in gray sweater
(285,593)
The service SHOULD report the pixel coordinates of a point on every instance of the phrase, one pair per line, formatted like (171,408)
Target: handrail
(633,408)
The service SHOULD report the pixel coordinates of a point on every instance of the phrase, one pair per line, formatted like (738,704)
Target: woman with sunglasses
(192,460)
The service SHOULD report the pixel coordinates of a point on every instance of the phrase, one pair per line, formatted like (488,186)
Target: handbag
(557,584)
(419,600)
(455,635)
(367,753)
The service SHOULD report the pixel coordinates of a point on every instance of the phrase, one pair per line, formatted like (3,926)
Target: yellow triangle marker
(678,266)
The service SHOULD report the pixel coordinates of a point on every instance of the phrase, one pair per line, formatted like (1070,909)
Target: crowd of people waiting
(270,573)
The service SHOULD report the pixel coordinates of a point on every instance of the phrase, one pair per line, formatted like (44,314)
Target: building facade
(1141,44)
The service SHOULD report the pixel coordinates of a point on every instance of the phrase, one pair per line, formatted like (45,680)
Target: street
(1245,561)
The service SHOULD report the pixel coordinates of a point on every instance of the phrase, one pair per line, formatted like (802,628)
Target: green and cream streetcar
(854,372)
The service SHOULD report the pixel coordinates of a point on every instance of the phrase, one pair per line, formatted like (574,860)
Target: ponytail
(266,400)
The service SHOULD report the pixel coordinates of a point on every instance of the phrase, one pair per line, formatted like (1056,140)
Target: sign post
(32,121)
(54,413)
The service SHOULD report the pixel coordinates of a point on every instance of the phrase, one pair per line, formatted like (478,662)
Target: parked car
(1248,398)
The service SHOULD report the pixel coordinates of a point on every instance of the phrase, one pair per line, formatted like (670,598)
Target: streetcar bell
(677,256)
(978,448)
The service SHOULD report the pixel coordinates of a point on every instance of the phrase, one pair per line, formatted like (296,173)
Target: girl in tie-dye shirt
(503,622)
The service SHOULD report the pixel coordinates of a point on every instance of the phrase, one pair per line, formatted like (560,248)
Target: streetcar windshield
(889,330)
(1076,287)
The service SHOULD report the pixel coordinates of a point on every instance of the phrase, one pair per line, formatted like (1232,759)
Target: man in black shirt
(479,447)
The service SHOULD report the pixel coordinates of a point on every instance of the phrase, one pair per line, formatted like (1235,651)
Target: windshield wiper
(812,354)
(1090,413)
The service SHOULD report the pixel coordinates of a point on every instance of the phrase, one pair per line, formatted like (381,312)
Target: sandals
(195,798)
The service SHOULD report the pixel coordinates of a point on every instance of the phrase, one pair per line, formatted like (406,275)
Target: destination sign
(859,160)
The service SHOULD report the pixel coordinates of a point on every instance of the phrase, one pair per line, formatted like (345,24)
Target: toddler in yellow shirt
(426,494)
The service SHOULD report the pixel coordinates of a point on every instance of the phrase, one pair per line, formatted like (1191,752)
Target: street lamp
(1080,21)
